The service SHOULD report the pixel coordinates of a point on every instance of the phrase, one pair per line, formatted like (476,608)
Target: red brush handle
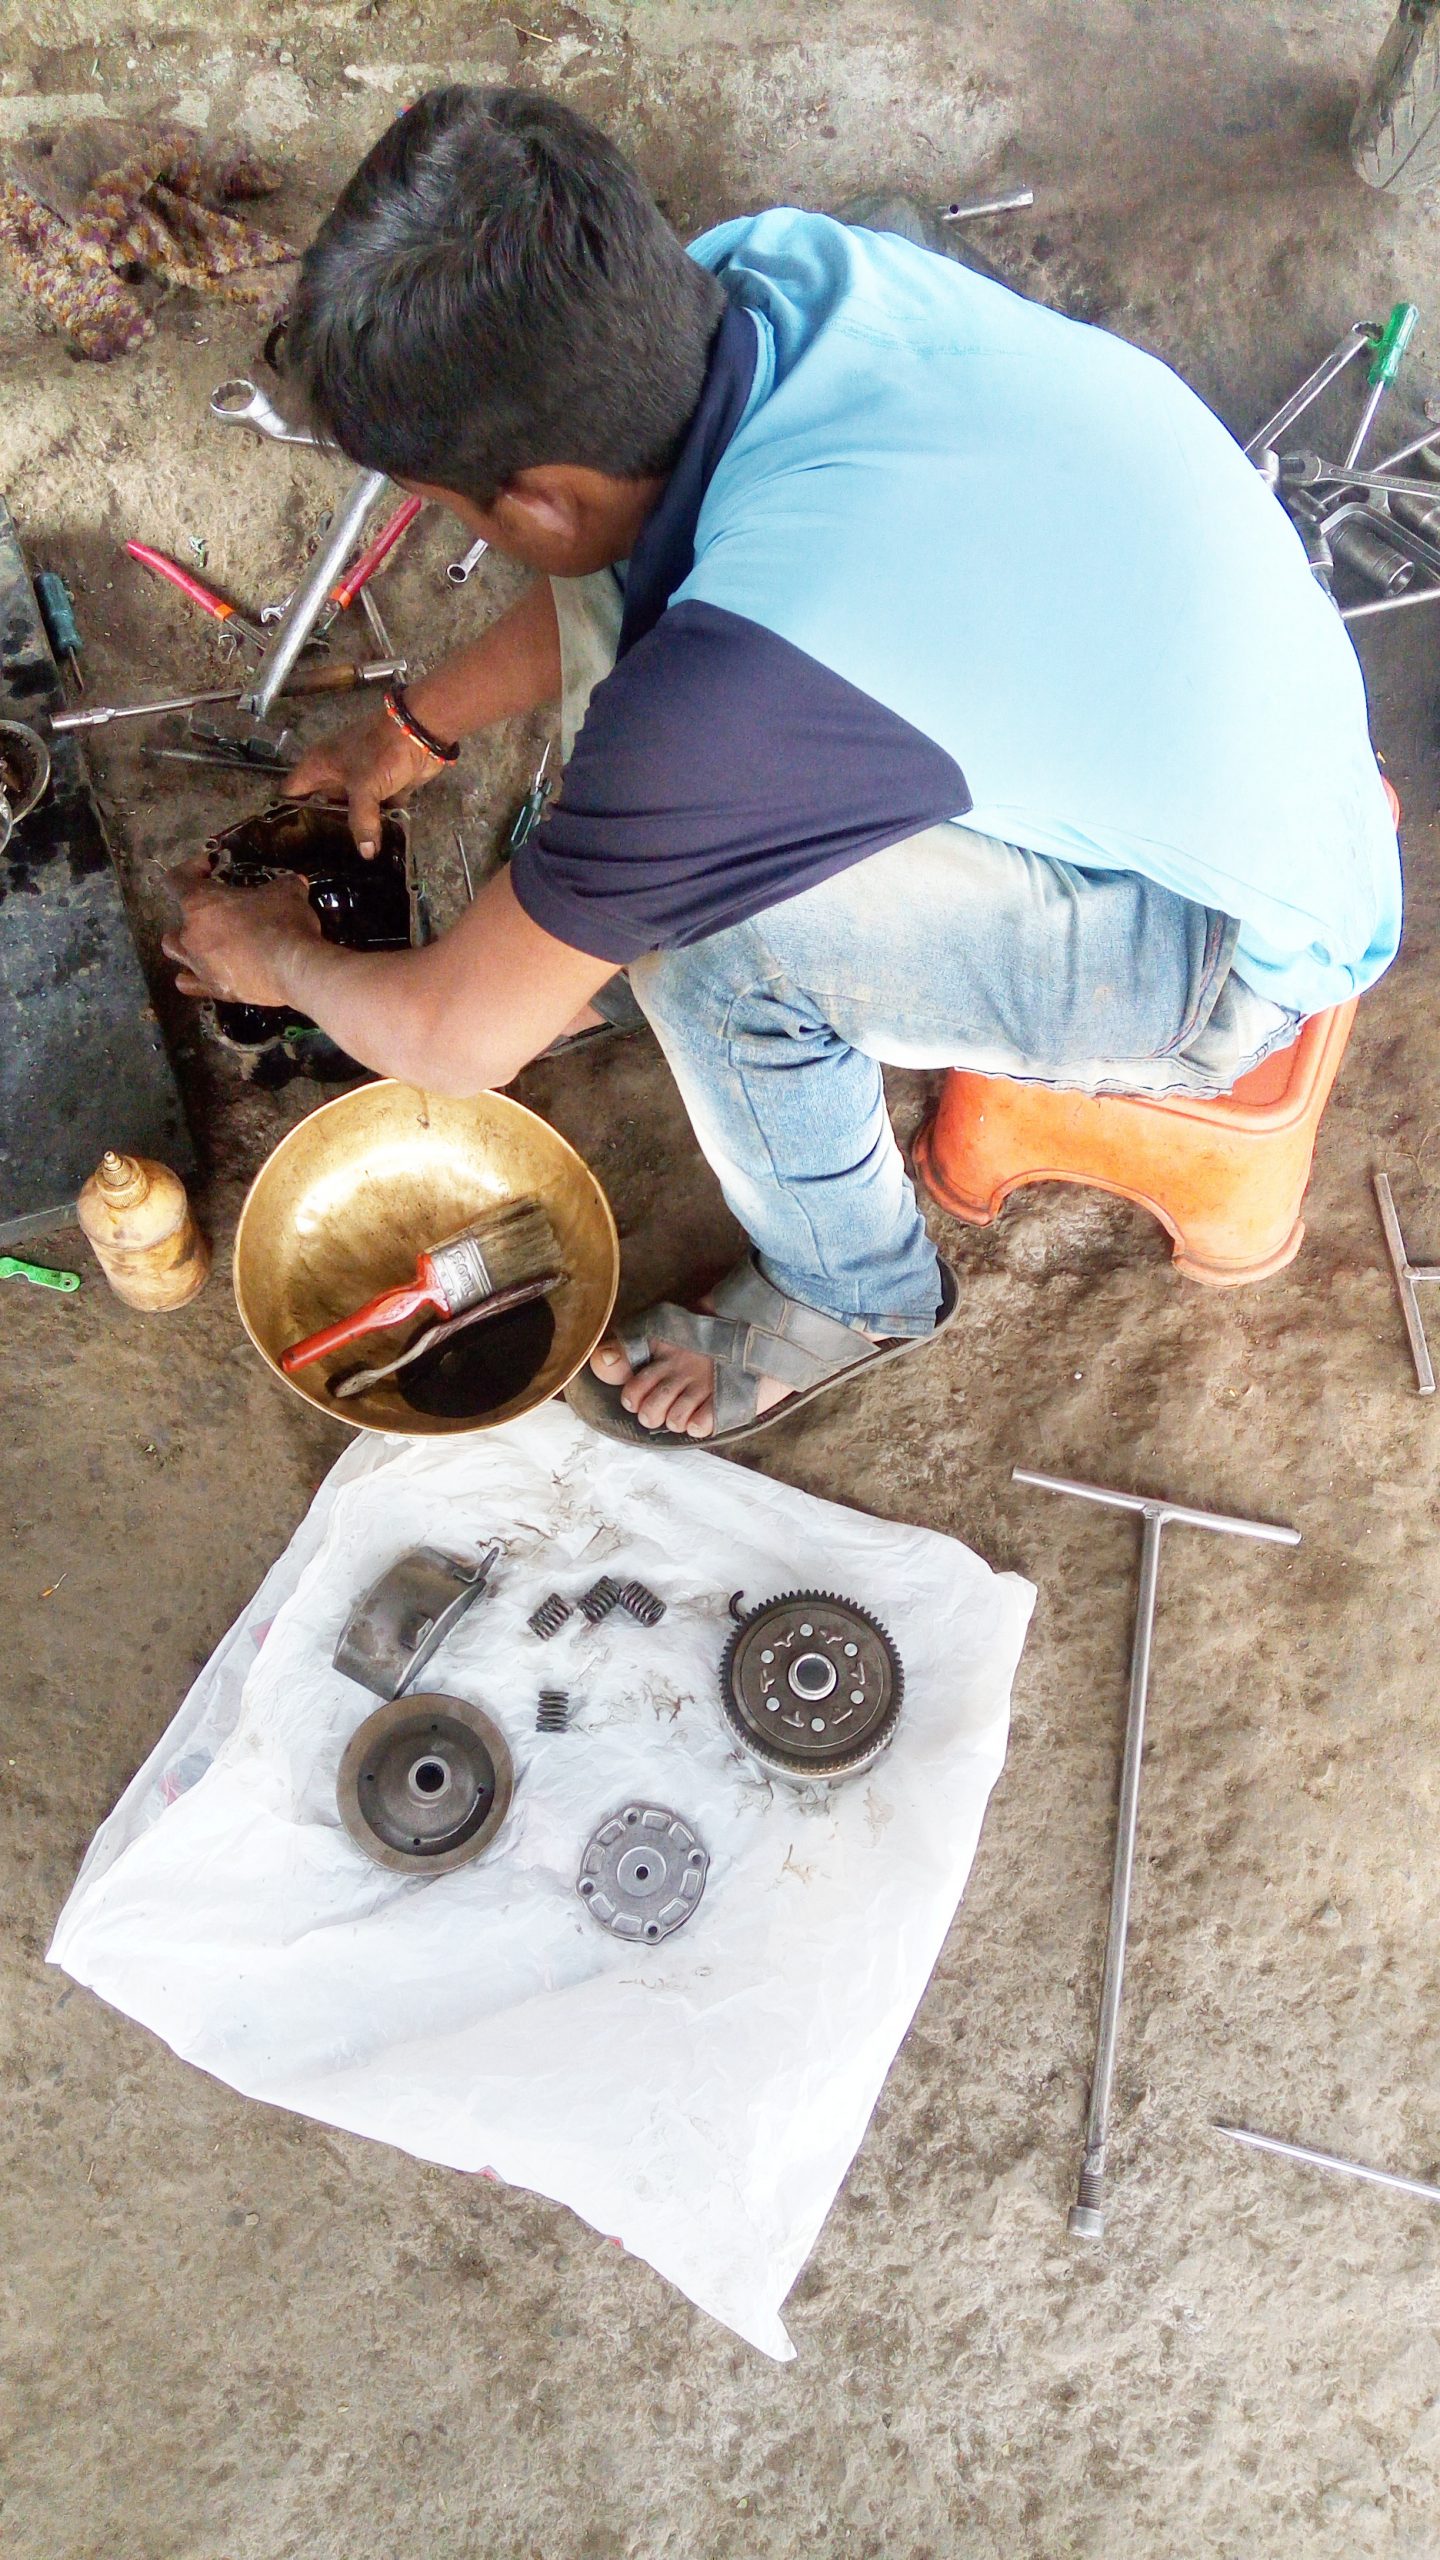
(205,597)
(380,549)
(392,1307)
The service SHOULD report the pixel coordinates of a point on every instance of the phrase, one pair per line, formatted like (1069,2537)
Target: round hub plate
(642,1874)
(812,1686)
(425,1784)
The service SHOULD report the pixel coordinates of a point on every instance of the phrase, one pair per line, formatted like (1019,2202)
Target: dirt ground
(234,2335)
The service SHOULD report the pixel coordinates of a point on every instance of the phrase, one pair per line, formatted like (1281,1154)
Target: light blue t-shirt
(935,552)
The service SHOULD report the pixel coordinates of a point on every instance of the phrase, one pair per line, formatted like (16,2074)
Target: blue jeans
(949,949)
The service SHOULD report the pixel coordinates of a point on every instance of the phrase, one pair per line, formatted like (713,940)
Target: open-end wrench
(1365,334)
(1308,471)
(242,403)
(459,570)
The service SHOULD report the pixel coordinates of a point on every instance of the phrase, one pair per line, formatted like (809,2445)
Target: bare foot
(675,1390)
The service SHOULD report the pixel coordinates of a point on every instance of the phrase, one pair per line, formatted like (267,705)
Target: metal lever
(1331,2160)
(1087,2213)
(1407,1275)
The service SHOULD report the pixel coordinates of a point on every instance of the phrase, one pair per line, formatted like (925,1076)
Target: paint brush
(499,1251)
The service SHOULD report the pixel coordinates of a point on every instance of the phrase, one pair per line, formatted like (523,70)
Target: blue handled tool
(57,605)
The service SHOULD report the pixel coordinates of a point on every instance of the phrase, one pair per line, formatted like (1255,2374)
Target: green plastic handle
(37,1273)
(1393,340)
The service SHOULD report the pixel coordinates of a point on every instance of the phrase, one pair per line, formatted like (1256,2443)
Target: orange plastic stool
(1225,1177)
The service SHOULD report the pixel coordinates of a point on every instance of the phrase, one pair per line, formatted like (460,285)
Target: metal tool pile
(1376,524)
(810,1688)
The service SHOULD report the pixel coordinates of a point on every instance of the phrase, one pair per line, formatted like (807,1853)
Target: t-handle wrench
(1087,2213)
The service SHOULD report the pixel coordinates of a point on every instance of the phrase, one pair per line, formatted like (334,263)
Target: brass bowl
(358,1190)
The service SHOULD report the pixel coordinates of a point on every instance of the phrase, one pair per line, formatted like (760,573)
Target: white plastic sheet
(701,2100)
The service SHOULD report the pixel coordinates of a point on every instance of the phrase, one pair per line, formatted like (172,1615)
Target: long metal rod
(1178,1512)
(1087,2214)
(1406,1274)
(1418,444)
(1086,2220)
(1388,604)
(1015,202)
(313,593)
(1360,337)
(1330,2160)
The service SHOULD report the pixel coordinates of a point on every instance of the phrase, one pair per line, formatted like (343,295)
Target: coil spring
(549,1618)
(553,1712)
(642,1603)
(599,1600)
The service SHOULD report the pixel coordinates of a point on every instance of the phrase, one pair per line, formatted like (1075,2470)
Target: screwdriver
(342,679)
(1395,337)
(218,607)
(57,605)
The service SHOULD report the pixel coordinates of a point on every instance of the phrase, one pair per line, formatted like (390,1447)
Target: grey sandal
(756,1332)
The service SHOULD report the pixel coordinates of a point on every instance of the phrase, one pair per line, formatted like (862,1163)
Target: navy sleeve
(719,770)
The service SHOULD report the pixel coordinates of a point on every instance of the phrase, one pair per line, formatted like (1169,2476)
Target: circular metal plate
(642,1874)
(812,1686)
(425,1783)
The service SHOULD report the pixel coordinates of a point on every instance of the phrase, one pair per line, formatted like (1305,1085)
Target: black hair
(494,290)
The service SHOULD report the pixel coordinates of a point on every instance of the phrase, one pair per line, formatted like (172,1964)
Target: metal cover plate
(643,1873)
(390,1635)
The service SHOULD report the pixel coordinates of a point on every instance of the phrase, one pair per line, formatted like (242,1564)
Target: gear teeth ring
(599,1600)
(811,1686)
(549,1618)
(553,1712)
(642,1603)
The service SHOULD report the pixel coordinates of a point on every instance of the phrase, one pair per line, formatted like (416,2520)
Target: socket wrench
(459,570)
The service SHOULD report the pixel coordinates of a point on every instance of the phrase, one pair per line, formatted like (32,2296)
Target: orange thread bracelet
(405,721)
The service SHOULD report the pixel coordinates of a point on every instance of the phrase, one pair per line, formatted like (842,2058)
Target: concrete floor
(233,2335)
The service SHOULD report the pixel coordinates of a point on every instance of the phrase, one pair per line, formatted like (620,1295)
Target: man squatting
(940,686)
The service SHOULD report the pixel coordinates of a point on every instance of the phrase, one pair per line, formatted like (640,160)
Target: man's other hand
(232,943)
(364,765)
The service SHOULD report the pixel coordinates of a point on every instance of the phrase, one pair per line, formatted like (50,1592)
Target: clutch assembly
(812,1687)
(425,1783)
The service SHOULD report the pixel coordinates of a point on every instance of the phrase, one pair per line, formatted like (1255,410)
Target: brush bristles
(500,1249)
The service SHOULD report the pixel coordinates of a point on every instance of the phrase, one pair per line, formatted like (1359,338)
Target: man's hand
(370,762)
(232,943)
